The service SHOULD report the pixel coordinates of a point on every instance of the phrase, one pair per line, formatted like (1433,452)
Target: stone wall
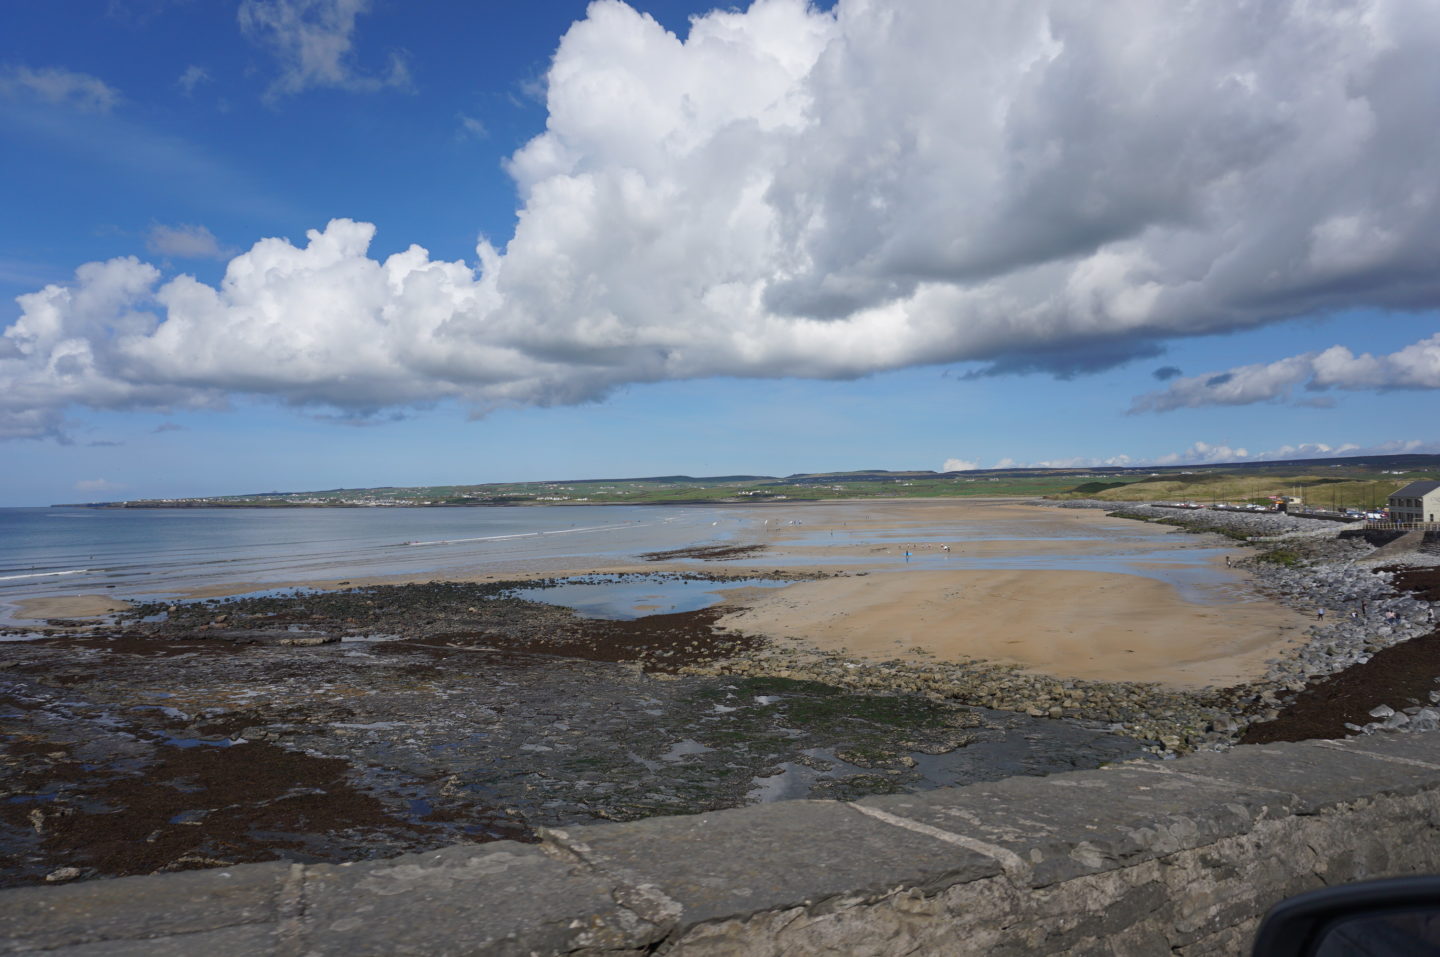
(1181,857)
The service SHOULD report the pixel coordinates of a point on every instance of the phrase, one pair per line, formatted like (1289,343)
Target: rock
(1427,719)
(61,874)
(1382,711)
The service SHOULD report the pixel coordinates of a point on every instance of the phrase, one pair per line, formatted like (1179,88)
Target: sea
(131,553)
(159,553)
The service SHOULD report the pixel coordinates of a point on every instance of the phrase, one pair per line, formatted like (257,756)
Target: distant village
(1414,505)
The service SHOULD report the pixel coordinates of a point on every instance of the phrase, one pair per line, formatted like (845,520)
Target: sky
(253,245)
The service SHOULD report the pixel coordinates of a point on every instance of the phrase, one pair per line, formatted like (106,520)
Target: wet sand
(1077,624)
(68,606)
(1096,625)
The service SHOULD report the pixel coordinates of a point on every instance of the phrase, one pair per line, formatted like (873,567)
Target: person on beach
(1320,614)
(1227,562)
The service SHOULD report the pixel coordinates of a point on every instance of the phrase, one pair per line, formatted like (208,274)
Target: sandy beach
(1093,625)
(1070,622)
(1097,625)
(68,606)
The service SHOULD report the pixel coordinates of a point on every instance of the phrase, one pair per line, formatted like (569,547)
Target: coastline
(366,720)
(1097,625)
(1106,646)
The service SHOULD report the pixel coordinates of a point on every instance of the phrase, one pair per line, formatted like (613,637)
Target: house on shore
(1415,503)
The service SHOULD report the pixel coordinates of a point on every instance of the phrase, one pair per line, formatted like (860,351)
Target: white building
(1416,502)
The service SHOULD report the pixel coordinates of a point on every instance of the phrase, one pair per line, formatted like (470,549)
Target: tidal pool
(626,597)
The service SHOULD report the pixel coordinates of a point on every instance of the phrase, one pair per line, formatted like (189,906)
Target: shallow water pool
(626,597)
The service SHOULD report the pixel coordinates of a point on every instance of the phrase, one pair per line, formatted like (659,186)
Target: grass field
(1330,485)
(1325,491)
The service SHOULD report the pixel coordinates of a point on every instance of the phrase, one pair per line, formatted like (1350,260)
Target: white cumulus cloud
(1416,366)
(1038,185)
(959,465)
(1206,453)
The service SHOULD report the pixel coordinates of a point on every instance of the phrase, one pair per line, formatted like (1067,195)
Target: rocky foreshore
(368,721)
(1301,562)
(365,722)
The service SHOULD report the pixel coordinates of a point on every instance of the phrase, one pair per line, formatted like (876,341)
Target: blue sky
(796,239)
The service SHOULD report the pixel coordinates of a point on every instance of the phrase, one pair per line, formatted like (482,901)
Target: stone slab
(1085,822)
(796,853)
(1318,776)
(1401,747)
(498,899)
(125,908)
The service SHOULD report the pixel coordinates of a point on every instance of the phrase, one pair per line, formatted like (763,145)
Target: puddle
(683,749)
(795,780)
(627,597)
(178,742)
(789,784)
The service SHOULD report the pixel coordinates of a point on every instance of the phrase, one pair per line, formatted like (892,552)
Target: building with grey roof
(1415,503)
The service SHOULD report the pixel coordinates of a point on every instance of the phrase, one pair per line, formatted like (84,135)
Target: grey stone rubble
(1341,641)
(1176,858)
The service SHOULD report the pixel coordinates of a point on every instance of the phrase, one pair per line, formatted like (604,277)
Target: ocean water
(129,552)
(139,553)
